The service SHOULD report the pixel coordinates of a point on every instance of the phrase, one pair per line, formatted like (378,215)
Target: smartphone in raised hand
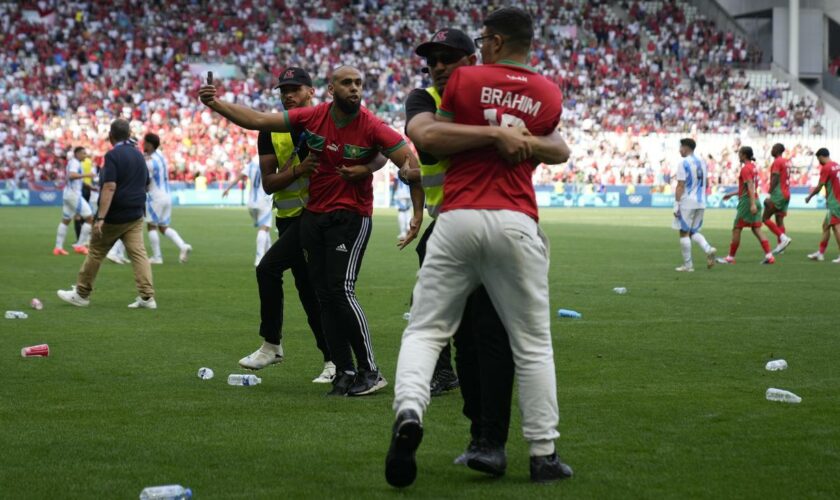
(209,78)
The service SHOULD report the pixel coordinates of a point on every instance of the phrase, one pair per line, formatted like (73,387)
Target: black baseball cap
(449,38)
(294,76)
(822,152)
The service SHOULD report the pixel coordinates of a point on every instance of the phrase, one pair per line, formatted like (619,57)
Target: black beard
(346,106)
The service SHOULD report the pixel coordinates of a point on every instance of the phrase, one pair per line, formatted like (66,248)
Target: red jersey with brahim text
(504,94)
(354,141)
(781,166)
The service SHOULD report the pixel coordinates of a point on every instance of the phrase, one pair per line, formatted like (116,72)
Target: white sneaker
(816,256)
(836,261)
(782,244)
(73,298)
(259,359)
(327,375)
(711,257)
(185,254)
(155,260)
(685,269)
(139,303)
(116,259)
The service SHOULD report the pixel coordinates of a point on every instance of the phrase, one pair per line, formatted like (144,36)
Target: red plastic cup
(42,350)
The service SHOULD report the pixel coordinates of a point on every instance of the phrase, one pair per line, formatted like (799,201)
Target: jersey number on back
(492,114)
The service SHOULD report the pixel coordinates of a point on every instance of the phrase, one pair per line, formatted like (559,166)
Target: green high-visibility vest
(289,202)
(432,174)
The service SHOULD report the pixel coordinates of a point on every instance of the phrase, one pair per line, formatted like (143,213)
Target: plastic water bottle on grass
(167,492)
(776,365)
(568,313)
(244,380)
(782,395)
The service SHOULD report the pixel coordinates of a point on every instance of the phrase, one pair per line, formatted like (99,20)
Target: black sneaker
(400,466)
(488,459)
(341,383)
(443,381)
(367,382)
(464,457)
(549,468)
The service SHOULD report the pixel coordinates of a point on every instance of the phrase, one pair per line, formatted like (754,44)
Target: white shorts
(690,220)
(159,210)
(261,213)
(75,204)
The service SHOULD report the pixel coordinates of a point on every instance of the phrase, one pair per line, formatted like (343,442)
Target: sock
(60,234)
(118,249)
(766,246)
(685,247)
(701,241)
(823,246)
(263,242)
(782,227)
(773,227)
(733,248)
(541,448)
(267,241)
(154,239)
(175,237)
(84,235)
(269,348)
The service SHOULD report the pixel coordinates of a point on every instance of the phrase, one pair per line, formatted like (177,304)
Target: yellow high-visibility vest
(432,174)
(289,202)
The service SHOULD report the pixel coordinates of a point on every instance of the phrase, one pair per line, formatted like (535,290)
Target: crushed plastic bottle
(568,313)
(36,304)
(407,316)
(620,290)
(244,380)
(166,492)
(776,365)
(782,395)
(205,373)
(16,315)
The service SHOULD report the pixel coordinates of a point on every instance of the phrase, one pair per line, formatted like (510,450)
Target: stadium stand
(630,72)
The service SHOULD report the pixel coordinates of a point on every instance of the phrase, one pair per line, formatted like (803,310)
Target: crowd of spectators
(67,69)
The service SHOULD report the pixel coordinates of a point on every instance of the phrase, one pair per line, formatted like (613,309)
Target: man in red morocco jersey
(747,215)
(830,179)
(486,233)
(779,199)
(335,226)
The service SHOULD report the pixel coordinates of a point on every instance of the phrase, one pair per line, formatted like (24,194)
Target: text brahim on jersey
(510,100)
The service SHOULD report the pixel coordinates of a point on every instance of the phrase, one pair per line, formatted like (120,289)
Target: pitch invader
(748,214)
(74,204)
(776,204)
(159,202)
(690,204)
(259,205)
(830,179)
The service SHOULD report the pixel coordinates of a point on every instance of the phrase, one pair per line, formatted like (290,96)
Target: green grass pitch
(661,390)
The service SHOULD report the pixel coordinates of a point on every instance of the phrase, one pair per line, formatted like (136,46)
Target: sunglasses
(443,57)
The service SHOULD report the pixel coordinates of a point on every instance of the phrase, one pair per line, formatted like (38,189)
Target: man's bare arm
(243,116)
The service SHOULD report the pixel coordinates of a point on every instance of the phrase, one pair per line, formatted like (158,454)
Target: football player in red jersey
(777,203)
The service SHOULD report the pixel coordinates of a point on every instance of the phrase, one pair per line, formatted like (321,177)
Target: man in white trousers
(487,233)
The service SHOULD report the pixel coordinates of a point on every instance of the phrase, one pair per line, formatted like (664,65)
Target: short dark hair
(514,23)
(120,130)
(822,152)
(748,152)
(78,148)
(777,148)
(152,139)
(689,143)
